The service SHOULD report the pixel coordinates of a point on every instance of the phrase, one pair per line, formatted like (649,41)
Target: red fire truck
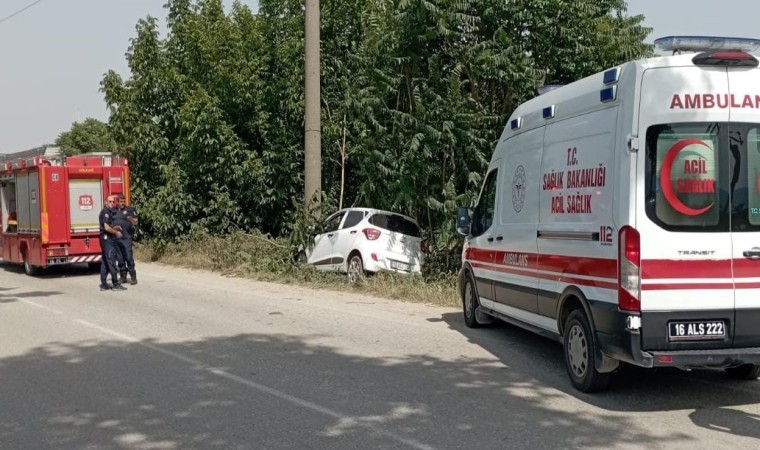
(50,207)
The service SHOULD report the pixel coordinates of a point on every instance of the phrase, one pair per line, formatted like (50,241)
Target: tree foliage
(414,95)
(91,135)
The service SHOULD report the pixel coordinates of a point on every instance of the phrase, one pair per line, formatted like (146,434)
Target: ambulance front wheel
(29,268)
(580,347)
(470,302)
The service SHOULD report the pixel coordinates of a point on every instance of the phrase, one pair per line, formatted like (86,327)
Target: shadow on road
(530,356)
(278,392)
(731,421)
(8,296)
(282,392)
(62,271)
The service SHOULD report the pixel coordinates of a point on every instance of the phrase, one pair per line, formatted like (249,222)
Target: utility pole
(313,138)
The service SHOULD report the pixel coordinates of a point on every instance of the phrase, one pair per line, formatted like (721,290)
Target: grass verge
(262,258)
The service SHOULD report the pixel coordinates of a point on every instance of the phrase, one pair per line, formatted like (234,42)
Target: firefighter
(109,234)
(126,218)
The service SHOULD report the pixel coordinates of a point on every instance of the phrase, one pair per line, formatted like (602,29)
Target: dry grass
(261,258)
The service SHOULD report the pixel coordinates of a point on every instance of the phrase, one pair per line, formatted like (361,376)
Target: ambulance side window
(482,216)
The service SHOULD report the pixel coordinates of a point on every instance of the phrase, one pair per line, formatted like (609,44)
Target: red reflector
(371,234)
(665,359)
(373,256)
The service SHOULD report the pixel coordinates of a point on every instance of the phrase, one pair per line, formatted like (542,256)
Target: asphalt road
(194,360)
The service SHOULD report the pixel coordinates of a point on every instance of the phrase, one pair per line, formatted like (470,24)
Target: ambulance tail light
(725,58)
(629,269)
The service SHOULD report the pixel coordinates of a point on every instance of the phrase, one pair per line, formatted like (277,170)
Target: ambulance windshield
(704,176)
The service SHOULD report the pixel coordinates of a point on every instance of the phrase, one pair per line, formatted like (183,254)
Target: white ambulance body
(621,215)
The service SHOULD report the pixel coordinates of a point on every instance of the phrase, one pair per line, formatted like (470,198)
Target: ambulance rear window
(683,176)
(704,176)
(753,176)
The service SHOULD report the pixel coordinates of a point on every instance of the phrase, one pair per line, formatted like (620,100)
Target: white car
(361,240)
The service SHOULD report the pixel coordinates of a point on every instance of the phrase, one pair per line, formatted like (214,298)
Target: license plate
(697,330)
(399,266)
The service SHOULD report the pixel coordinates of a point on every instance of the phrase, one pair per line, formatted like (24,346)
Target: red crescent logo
(666,181)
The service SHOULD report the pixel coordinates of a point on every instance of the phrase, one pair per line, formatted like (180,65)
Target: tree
(414,95)
(91,135)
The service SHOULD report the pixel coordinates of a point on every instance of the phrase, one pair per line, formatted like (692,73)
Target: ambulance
(620,215)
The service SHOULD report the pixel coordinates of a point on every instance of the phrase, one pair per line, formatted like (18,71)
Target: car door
(322,256)
(346,236)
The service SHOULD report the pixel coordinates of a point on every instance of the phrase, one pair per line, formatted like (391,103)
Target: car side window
(332,223)
(482,216)
(352,219)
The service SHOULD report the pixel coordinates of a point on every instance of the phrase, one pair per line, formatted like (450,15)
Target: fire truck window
(683,177)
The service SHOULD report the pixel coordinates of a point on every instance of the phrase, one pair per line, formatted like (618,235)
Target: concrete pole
(313,138)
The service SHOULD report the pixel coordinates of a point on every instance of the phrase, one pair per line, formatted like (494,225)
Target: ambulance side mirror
(463,221)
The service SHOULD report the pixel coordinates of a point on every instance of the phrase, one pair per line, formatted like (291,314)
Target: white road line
(197,364)
(46,308)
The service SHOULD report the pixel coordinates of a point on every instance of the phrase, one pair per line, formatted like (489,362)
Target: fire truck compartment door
(85,201)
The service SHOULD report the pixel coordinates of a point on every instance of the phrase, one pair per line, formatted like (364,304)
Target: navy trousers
(108,261)
(124,254)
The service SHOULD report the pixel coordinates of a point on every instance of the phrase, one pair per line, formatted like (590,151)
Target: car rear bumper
(391,263)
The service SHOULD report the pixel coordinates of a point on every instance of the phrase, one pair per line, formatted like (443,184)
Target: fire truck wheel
(30,269)
(94,266)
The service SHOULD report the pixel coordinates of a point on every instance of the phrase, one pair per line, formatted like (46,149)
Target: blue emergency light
(677,44)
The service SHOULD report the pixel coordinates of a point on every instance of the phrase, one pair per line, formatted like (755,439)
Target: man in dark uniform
(108,236)
(126,218)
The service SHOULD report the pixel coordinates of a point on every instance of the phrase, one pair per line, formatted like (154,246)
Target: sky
(54,54)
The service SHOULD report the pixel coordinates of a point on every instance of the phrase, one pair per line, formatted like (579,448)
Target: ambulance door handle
(752,254)
(499,238)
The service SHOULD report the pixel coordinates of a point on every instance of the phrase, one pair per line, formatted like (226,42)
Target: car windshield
(395,223)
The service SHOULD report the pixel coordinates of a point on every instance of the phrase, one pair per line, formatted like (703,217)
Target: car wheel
(355,269)
(744,372)
(580,348)
(30,269)
(470,303)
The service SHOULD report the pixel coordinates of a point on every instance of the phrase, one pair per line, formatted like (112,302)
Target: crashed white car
(363,240)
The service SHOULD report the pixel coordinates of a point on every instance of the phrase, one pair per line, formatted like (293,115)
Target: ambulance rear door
(684,173)
(744,190)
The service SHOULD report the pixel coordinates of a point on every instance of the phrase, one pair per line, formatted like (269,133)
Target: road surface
(194,360)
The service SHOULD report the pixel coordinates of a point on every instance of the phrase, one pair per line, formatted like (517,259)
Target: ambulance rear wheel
(580,347)
(744,372)
(30,269)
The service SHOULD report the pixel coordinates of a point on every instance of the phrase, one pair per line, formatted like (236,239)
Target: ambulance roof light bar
(678,44)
